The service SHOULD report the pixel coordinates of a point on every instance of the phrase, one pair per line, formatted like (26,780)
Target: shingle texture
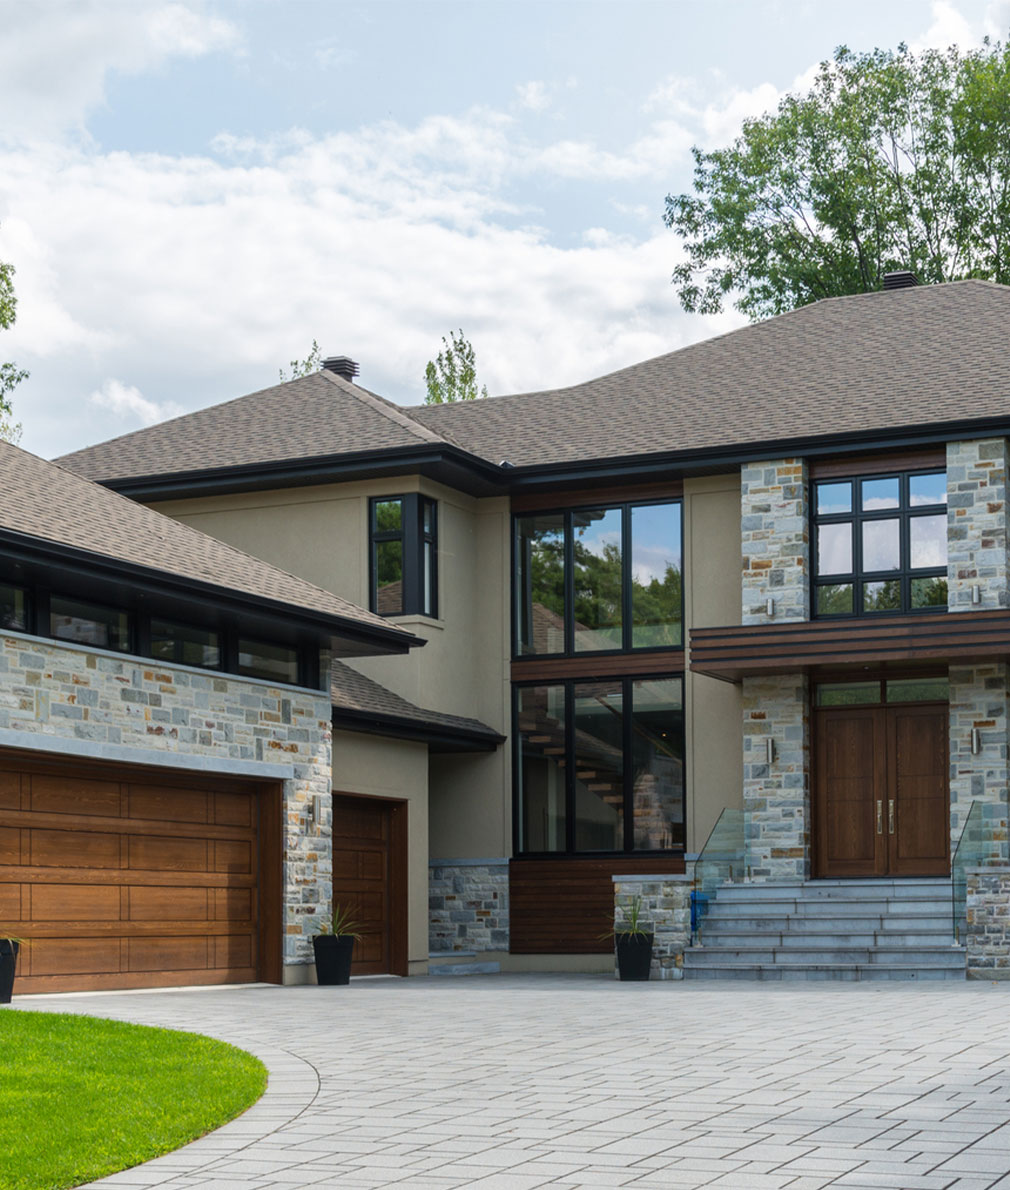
(876,361)
(873,361)
(47,501)
(317,415)
(352,691)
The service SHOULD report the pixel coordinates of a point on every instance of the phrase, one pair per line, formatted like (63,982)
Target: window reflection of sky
(655,541)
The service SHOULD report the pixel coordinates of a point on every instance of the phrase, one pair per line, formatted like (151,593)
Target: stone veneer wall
(468,905)
(666,908)
(776,796)
(988,920)
(977,524)
(775,540)
(978,699)
(119,708)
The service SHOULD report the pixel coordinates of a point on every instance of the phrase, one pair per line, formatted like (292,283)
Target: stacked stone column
(776,567)
(977,580)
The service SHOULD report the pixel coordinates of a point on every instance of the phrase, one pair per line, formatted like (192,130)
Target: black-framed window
(403,535)
(85,623)
(880,544)
(598,580)
(185,644)
(599,765)
(36,610)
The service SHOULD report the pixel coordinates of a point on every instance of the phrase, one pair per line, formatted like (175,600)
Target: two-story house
(765,572)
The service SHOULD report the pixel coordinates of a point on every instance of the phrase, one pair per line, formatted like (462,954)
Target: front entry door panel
(881,792)
(919,844)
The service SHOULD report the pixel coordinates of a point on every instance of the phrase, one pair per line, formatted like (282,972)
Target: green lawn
(82,1097)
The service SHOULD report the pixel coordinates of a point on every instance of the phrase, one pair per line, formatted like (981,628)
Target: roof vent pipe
(345,368)
(901,280)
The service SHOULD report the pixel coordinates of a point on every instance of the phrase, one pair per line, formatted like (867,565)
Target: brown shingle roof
(875,361)
(352,691)
(860,364)
(316,415)
(51,504)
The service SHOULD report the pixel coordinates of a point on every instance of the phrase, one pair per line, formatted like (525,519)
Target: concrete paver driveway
(568,1081)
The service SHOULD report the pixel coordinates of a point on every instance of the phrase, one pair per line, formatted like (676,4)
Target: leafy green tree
(892,160)
(452,375)
(10,374)
(311,363)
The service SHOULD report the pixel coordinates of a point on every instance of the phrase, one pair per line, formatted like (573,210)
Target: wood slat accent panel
(534,669)
(118,881)
(918,460)
(562,906)
(736,651)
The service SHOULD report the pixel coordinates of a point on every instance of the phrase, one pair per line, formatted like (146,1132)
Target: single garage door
(124,878)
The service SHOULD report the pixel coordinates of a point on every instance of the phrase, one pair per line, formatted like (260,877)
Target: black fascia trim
(58,557)
(469,473)
(451,465)
(725,458)
(439,736)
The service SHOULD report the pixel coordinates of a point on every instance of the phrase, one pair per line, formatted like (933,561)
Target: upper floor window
(404,543)
(880,544)
(604,579)
(89,623)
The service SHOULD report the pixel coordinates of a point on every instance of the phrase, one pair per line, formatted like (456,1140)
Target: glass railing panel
(720,862)
(971,850)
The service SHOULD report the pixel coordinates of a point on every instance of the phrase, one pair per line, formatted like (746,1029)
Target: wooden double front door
(881,802)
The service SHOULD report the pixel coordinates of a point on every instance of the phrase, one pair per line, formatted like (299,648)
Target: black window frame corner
(415,599)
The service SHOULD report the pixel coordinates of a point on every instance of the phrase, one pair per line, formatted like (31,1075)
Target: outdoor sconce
(976,594)
(770,608)
(769,750)
(976,741)
(315,808)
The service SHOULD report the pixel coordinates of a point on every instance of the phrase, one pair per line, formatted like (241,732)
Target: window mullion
(626,631)
(569,583)
(627,686)
(569,688)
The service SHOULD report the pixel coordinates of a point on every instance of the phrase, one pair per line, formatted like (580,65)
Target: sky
(192,192)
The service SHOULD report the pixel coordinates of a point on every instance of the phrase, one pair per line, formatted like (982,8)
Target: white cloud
(949,27)
(130,405)
(533,96)
(55,55)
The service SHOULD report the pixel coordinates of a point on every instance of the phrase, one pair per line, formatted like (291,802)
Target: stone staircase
(828,929)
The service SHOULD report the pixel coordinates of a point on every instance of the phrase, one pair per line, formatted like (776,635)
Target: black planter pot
(634,956)
(8,961)
(333,958)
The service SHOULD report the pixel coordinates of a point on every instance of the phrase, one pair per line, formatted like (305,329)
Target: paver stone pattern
(515,1082)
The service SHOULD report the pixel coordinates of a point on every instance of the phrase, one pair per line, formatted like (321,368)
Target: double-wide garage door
(123,878)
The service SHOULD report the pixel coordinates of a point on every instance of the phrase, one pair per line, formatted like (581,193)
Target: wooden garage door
(120,879)
(369,879)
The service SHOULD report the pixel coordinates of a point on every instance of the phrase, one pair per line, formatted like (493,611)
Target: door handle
(890,816)
(880,818)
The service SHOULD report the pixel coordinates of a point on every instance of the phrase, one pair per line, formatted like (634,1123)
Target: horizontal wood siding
(563,906)
(548,670)
(738,651)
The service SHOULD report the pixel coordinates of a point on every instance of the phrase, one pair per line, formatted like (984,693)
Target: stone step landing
(460,962)
(828,930)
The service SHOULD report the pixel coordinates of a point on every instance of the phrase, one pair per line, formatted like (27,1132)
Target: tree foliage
(311,363)
(452,375)
(10,374)
(892,160)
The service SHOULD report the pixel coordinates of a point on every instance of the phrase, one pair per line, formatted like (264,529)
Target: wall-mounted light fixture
(314,810)
(769,750)
(770,608)
(976,741)
(976,593)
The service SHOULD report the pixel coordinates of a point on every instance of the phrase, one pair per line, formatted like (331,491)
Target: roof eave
(41,551)
(439,737)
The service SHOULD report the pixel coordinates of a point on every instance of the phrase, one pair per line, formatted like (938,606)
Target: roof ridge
(386,407)
(749,326)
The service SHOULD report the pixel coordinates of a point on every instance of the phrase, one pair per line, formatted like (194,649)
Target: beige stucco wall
(321,533)
(711,598)
(378,767)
